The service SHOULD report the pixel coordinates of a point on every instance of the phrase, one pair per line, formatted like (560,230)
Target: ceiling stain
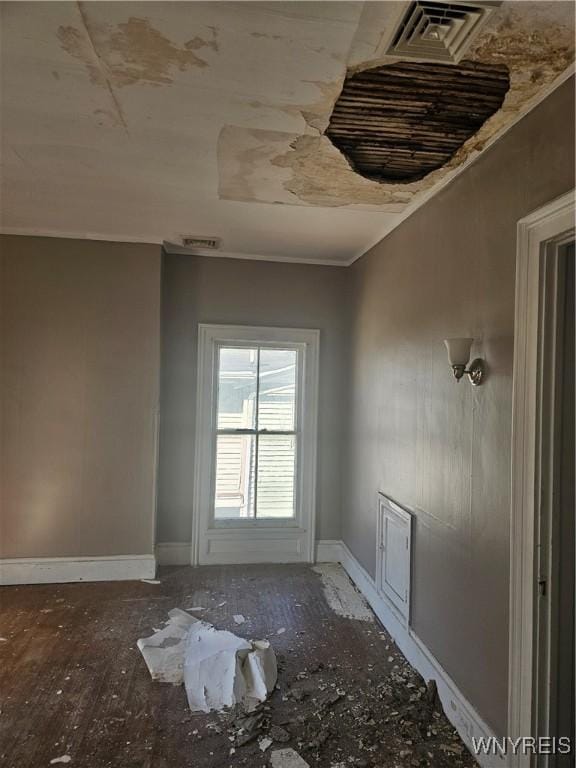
(132,53)
(81,45)
(74,42)
(106,117)
(536,42)
(532,39)
(263,34)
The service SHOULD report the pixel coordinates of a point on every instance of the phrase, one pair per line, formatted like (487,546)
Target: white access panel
(393,555)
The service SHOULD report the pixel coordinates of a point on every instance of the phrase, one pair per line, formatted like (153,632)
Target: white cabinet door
(394,555)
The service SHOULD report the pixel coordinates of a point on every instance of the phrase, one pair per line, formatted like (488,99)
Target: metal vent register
(434,31)
(198,241)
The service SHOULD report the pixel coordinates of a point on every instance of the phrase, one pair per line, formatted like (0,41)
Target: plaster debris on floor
(339,694)
(390,713)
(264,744)
(218,669)
(341,594)
(287,758)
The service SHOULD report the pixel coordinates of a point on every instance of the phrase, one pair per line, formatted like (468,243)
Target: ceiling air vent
(200,242)
(435,31)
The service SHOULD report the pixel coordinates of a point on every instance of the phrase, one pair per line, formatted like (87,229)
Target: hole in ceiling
(397,123)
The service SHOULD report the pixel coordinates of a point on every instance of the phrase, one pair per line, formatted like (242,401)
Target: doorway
(541,685)
(561,715)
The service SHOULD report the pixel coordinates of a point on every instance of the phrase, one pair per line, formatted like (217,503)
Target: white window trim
(264,540)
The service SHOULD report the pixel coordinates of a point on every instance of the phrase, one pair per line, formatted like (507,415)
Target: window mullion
(257,437)
(265,431)
(275,432)
(232,431)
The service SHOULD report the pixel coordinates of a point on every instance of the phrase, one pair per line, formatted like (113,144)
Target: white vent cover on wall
(436,31)
(394,556)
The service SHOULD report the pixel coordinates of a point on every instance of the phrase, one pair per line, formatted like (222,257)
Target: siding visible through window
(255,470)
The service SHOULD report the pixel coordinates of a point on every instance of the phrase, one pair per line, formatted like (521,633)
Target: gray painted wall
(79,367)
(80,360)
(441,448)
(206,290)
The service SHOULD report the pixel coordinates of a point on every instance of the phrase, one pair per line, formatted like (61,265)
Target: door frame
(539,238)
(264,541)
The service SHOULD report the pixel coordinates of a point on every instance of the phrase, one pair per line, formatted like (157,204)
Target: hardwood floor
(73,683)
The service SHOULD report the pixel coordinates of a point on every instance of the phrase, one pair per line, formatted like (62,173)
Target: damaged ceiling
(285,129)
(399,122)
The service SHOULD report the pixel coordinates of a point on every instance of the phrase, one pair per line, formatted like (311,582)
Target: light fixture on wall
(458,357)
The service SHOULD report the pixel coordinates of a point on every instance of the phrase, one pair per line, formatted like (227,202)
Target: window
(256,432)
(255,467)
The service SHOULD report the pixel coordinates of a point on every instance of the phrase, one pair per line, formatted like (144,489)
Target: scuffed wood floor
(72,681)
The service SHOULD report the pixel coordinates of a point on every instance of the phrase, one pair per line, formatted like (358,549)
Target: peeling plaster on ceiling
(143,120)
(321,173)
(245,170)
(248,159)
(534,39)
(316,114)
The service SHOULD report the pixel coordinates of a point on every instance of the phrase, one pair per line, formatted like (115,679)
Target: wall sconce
(458,356)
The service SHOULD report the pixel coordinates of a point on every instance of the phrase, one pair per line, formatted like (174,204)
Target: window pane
(276,469)
(237,388)
(235,461)
(277,402)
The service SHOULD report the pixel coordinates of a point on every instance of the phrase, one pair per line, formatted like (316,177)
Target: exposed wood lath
(398,122)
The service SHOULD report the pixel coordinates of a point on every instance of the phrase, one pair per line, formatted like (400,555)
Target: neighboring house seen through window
(256,432)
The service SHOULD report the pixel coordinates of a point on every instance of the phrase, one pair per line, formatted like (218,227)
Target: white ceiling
(142,121)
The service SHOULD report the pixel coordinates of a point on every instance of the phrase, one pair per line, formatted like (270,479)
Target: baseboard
(59,570)
(458,710)
(329,551)
(178,552)
(174,553)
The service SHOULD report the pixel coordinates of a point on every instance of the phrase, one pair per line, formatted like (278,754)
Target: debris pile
(328,715)
(218,668)
(287,758)
(356,703)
